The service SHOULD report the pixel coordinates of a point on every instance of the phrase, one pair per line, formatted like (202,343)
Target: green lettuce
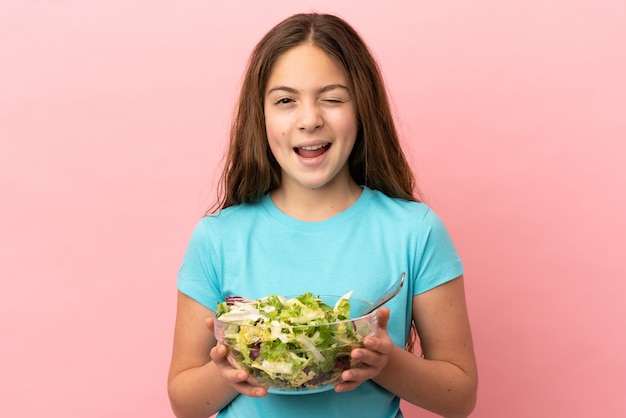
(291,343)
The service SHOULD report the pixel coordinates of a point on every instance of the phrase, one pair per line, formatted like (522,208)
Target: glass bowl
(297,359)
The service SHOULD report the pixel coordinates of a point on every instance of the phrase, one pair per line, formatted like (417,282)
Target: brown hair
(377,160)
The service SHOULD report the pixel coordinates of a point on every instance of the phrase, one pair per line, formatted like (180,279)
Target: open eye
(283,101)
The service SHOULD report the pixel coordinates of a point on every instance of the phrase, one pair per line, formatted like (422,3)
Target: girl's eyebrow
(324,89)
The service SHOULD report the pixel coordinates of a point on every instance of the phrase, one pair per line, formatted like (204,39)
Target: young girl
(317,196)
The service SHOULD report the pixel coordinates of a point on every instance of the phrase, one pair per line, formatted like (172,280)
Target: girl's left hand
(373,356)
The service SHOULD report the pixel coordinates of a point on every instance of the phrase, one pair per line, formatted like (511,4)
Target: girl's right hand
(239,380)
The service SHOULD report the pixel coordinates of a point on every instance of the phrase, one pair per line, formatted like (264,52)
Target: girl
(317,196)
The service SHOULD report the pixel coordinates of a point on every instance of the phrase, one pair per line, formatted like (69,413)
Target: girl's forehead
(306,64)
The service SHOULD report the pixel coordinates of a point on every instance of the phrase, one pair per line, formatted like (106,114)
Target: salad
(296,343)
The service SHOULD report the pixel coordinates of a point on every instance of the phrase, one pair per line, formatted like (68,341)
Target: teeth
(313,147)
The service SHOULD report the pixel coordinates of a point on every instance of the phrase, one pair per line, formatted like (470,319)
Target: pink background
(113,117)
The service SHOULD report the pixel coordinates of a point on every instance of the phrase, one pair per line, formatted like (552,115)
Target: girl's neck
(314,205)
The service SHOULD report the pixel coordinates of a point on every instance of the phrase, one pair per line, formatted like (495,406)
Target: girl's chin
(319,180)
(318,184)
(307,184)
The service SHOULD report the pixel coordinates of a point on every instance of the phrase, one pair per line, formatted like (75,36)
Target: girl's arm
(195,385)
(445,381)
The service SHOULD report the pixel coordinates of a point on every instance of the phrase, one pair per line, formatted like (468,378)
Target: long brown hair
(377,160)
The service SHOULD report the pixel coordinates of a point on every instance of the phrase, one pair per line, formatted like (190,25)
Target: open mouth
(312,151)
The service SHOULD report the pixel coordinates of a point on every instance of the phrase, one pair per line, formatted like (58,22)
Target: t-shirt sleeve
(196,276)
(437,258)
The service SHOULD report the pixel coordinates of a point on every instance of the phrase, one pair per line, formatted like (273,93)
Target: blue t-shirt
(255,250)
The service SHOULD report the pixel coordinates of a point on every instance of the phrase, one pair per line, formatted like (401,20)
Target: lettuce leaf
(291,343)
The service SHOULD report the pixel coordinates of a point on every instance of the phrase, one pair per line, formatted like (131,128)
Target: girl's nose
(309,117)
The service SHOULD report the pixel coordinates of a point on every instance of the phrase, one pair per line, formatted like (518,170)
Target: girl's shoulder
(232,215)
(397,207)
(404,214)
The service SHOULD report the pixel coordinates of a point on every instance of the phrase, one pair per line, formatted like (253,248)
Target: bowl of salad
(293,345)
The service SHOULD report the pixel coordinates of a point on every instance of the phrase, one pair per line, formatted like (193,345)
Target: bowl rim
(268,326)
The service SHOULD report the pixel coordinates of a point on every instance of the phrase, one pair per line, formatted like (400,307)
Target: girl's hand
(373,356)
(240,380)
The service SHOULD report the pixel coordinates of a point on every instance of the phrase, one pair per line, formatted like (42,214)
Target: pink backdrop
(113,116)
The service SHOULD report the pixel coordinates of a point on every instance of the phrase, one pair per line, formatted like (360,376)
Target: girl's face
(310,119)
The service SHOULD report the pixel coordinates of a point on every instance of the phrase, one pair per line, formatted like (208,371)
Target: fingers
(210,323)
(375,348)
(219,354)
(373,357)
(347,386)
(383,318)
(352,378)
(240,380)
